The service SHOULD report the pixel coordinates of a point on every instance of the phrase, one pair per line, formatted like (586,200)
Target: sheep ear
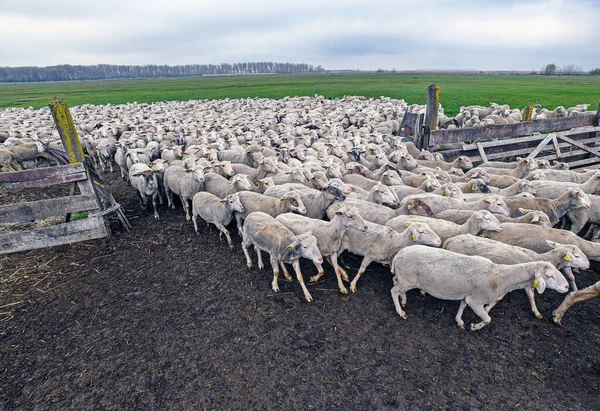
(487,200)
(414,234)
(539,283)
(523,210)
(223,201)
(567,257)
(552,244)
(188,171)
(535,218)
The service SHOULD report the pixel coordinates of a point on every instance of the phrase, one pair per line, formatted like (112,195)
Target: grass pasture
(456,90)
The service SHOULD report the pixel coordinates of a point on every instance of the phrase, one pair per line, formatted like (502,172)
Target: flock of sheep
(313,177)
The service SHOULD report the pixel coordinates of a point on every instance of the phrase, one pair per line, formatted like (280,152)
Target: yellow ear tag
(409,206)
(553,244)
(447,193)
(427,185)
(473,187)
(536,284)
(477,218)
(414,237)
(291,247)
(568,256)
(223,201)
(409,224)
(282,200)
(340,206)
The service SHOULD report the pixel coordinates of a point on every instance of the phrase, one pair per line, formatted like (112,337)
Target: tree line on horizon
(67,72)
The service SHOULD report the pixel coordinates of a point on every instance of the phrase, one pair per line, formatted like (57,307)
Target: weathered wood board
(35,210)
(80,230)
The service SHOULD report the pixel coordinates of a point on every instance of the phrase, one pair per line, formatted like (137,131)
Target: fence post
(431,116)
(527,113)
(66,130)
(597,117)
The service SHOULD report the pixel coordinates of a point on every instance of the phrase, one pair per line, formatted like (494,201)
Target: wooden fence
(92,227)
(572,139)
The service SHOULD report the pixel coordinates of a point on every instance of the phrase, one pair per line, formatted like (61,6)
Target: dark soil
(161,318)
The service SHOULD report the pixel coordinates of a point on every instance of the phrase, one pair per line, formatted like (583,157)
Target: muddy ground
(161,318)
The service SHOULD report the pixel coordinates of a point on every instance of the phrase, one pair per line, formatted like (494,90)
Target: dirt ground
(162,318)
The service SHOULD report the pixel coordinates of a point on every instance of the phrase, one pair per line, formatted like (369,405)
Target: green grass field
(456,90)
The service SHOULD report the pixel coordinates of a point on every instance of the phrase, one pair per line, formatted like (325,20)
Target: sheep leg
(531,296)
(593,291)
(458,318)
(110,164)
(320,273)
(194,218)
(275,266)
(577,225)
(240,222)
(363,267)
(569,274)
(259,256)
(396,292)
(154,197)
(186,207)
(169,194)
(226,232)
(286,273)
(481,313)
(332,259)
(245,245)
(296,265)
(490,306)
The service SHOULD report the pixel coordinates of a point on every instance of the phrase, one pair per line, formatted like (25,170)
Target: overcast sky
(405,35)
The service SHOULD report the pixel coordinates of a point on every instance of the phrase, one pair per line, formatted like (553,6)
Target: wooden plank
(46,208)
(44,182)
(578,144)
(597,117)
(481,152)
(80,230)
(581,130)
(556,146)
(527,113)
(431,113)
(541,146)
(585,161)
(39,173)
(498,143)
(66,130)
(502,132)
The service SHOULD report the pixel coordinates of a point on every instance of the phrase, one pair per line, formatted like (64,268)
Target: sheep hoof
(343,289)
(314,279)
(461,325)
(308,298)
(231,246)
(275,288)
(403,316)
(539,316)
(156,217)
(353,288)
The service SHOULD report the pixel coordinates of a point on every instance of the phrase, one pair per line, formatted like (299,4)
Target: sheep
(144,180)
(159,166)
(289,201)
(269,235)
(562,256)
(263,184)
(493,203)
(121,160)
(316,201)
(135,156)
(216,211)
(528,217)
(294,175)
(427,186)
(380,214)
(380,194)
(568,176)
(473,173)
(479,221)
(534,238)
(553,189)
(223,168)
(328,234)
(475,185)
(474,281)
(380,243)
(555,208)
(172,153)
(450,190)
(524,166)
(184,183)
(462,162)
(580,216)
(221,187)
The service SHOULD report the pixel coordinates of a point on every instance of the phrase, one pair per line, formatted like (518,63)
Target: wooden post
(597,117)
(431,116)
(66,130)
(527,113)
